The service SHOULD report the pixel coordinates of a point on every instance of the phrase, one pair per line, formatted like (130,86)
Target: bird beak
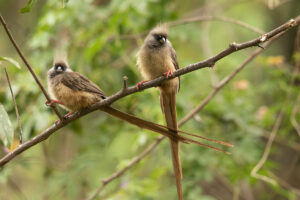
(162,40)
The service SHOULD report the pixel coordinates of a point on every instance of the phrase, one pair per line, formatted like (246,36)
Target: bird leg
(53,102)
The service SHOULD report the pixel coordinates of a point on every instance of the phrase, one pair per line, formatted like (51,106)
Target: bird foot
(139,84)
(65,117)
(53,102)
(68,115)
(169,73)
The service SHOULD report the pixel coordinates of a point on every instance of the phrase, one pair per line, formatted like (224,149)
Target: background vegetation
(72,162)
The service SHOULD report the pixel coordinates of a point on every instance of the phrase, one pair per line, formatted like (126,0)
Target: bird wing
(78,82)
(175,62)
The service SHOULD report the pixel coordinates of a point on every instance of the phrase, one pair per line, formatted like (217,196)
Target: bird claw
(65,117)
(48,103)
(139,84)
(68,115)
(169,73)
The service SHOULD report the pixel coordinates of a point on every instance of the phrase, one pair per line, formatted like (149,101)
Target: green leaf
(28,6)
(12,61)
(6,128)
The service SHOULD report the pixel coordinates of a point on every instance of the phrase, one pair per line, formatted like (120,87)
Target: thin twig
(190,115)
(135,160)
(283,142)
(271,139)
(293,116)
(16,107)
(286,185)
(273,5)
(27,64)
(266,153)
(217,18)
(125,78)
(153,83)
(190,20)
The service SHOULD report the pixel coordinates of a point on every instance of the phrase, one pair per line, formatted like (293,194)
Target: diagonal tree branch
(27,64)
(189,20)
(153,83)
(216,18)
(16,107)
(189,116)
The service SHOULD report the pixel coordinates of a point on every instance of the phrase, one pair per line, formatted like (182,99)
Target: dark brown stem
(190,20)
(27,64)
(216,18)
(16,107)
(153,83)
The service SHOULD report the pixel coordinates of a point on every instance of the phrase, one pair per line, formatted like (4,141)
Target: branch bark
(27,64)
(153,83)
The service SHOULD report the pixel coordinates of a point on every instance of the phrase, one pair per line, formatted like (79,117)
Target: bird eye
(59,68)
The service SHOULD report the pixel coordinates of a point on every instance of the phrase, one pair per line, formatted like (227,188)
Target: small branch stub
(292,23)
(212,66)
(125,78)
(234,45)
(263,38)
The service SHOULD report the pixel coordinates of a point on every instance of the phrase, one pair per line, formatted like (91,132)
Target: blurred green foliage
(72,162)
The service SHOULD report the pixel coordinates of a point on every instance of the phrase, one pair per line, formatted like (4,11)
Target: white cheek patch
(51,70)
(68,70)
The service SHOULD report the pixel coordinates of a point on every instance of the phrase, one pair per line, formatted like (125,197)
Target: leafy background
(72,162)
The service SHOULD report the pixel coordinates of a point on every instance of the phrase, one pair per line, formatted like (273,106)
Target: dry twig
(293,115)
(216,18)
(27,64)
(16,107)
(271,139)
(189,20)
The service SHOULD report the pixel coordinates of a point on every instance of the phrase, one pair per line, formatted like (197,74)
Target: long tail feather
(163,130)
(168,103)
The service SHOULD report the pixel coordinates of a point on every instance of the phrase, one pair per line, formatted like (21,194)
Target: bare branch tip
(292,23)
(125,78)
